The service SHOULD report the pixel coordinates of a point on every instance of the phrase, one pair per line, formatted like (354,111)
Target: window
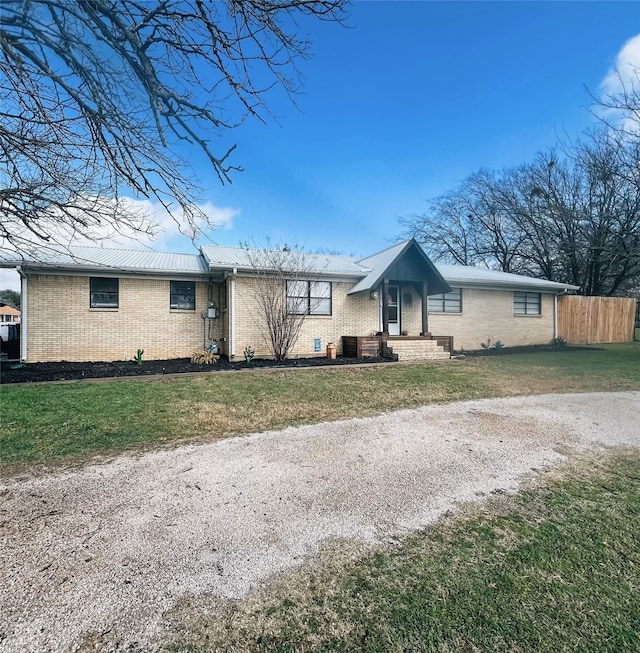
(309,297)
(104,292)
(182,295)
(448,302)
(526,303)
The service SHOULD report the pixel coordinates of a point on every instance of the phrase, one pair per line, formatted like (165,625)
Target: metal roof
(379,263)
(225,258)
(367,272)
(107,259)
(466,274)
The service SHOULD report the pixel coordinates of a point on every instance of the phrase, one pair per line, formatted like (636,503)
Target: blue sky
(400,106)
(405,103)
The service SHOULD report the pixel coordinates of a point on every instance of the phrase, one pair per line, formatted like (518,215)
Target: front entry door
(394,310)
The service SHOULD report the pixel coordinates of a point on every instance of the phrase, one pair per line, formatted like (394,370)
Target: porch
(401,348)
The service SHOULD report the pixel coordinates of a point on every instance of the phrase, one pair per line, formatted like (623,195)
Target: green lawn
(555,567)
(552,568)
(63,423)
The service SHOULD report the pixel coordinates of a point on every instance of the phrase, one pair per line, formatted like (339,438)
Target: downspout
(555,316)
(232,314)
(24,314)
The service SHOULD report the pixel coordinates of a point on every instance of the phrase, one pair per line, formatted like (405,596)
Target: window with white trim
(104,292)
(309,297)
(527,303)
(446,302)
(182,295)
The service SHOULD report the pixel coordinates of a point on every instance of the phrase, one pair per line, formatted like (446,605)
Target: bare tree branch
(572,219)
(95,95)
(281,311)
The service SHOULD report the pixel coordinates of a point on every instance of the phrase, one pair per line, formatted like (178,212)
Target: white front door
(393,302)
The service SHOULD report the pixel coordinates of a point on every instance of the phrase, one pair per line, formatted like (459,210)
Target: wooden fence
(589,320)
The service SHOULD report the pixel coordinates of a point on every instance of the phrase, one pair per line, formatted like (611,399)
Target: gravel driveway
(105,550)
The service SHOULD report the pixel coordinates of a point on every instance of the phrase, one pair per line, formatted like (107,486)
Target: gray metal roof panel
(381,261)
(367,270)
(377,264)
(127,260)
(483,276)
(227,258)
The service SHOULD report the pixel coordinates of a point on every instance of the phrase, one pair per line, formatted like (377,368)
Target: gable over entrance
(402,264)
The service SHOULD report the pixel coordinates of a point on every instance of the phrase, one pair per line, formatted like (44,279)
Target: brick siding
(489,314)
(61,326)
(351,316)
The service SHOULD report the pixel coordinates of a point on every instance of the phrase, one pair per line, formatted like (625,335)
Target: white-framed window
(446,302)
(527,303)
(182,295)
(104,292)
(309,297)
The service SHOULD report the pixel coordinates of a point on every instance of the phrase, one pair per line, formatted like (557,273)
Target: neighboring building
(9,314)
(93,304)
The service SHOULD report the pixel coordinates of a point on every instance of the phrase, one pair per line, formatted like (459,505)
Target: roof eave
(103,269)
(504,285)
(375,282)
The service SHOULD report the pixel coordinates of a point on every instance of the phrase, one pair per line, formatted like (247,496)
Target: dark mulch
(527,349)
(67,371)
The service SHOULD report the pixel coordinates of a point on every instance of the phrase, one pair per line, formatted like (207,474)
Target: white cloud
(170,231)
(146,224)
(625,70)
(623,81)
(151,226)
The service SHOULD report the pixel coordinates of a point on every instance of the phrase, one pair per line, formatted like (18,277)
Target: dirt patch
(69,371)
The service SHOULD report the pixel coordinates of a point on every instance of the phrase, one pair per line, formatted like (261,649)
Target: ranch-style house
(99,304)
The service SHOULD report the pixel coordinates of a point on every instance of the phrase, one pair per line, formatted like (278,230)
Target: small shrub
(204,357)
(486,345)
(559,342)
(498,344)
(249,353)
(138,357)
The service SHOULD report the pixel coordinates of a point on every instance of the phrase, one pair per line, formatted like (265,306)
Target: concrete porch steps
(407,350)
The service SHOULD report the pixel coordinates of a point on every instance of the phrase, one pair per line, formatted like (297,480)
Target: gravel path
(99,554)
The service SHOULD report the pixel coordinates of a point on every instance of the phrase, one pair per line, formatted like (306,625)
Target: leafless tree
(619,108)
(286,288)
(96,94)
(571,216)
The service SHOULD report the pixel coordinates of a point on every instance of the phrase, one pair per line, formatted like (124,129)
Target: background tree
(10,298)
(619,106)
(570,216)
(276,272)
(95,95)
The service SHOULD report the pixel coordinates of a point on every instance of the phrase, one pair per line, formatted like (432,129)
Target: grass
(553,568)
(67,423)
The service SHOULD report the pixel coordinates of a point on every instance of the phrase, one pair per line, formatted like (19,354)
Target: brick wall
(489,314)
(351,315)
(63,327)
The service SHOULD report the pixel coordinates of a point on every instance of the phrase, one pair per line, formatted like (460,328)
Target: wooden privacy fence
(590,320)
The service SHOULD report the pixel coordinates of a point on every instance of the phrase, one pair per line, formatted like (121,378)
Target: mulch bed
(11,372)
(527,349)
(66,371)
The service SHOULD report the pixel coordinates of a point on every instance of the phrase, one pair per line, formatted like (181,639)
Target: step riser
(416,350)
